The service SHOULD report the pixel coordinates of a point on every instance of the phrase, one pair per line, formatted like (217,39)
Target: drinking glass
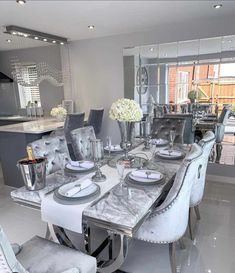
(98,155)
(152,149)
(172,138)
(109,144)
(62,162)
(121,190)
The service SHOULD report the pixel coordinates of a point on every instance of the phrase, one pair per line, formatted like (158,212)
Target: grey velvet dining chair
(95,119)
(161,128)
(39,255)
(52,148)
(189,130)
(72,121)
(81,142)
(199,184)
(168,222)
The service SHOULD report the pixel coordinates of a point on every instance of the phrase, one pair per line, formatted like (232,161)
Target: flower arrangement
(58,112)
(126,110)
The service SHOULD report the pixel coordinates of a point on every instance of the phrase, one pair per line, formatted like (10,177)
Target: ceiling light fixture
(151,49)
(21,2)
(91,27)
(35,35)
(218,6)
(9,40)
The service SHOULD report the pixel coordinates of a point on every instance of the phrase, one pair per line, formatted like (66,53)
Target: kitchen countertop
(39,126)
(16,118)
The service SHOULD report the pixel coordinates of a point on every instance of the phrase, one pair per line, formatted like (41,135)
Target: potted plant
(192,95)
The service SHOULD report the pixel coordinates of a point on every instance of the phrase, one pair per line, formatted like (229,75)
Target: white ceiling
(71,18)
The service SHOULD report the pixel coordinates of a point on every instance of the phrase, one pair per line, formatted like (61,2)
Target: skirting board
(220,179)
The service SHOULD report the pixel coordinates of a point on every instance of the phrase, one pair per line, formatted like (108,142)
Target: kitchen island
(14,139)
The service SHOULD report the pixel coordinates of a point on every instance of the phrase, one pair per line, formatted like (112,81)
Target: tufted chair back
(51,148)
(95,119)
(199,184)
(81,142)
(73,121)
(188,136)
(162,126)
(8,261)
(169,221)
(223,118)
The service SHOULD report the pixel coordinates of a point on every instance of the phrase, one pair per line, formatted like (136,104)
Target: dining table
(120,216)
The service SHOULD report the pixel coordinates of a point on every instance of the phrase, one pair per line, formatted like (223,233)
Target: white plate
(174,155)
(146,180)
(160,142)
(78,168)
(113,148)
(85,192)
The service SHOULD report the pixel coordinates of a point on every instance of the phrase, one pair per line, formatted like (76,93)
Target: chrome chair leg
(172,257)
(181,242)
(197,212)
(190,224)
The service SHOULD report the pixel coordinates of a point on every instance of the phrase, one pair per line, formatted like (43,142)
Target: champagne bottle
(30,154)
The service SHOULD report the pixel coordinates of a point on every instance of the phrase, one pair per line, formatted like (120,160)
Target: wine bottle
(31,155)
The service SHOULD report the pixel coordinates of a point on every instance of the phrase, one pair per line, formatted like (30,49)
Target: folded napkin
(160,141)
(78,187)
(142,174)
(173,153)
(114,147)
(82,164)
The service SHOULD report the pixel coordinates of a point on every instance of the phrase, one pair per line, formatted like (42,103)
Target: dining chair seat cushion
(39,255)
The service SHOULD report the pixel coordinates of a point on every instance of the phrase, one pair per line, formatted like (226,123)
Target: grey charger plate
(83,199)
(133,182)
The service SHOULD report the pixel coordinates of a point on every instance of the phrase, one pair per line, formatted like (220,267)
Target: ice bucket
(33,173)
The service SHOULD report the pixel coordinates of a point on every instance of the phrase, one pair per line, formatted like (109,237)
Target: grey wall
(129,76)
(50,95)
(97,64)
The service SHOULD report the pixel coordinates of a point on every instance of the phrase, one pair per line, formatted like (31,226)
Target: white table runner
(70,216)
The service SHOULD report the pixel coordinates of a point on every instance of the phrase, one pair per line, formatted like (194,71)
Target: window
(29,93)
(182,86)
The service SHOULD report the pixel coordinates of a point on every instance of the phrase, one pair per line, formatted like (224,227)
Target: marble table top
(16,118)
(39,126)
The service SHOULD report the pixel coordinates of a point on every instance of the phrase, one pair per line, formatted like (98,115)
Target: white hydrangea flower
(58,111)
(126,110)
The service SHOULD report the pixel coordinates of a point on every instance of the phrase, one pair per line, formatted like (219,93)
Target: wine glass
(98,155)
(109,144)
(172,138)
(122,189)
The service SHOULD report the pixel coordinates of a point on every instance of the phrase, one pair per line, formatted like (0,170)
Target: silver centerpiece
(126,130)
(98,155)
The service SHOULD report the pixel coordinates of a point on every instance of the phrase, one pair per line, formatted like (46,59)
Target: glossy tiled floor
(213,248)
(211,252)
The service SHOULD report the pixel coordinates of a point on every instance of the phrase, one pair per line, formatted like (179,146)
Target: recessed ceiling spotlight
(230,41)
(36,38)
(14,33)
(26,35)
(9,40)
(45,40)
(21,2)
(54,42)
(151,49)
(218,6)
(91,27)
(61,43)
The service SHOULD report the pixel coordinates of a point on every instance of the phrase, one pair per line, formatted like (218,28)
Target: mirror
(165,73)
